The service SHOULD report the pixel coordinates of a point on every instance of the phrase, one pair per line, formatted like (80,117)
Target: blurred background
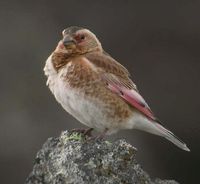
(158,41)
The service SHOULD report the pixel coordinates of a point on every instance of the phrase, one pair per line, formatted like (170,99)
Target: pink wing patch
(132,97)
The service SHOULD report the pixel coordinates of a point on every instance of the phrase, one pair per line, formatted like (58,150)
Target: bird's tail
(157,129)
(171,137)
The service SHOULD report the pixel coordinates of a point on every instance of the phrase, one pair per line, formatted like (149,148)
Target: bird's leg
(88,132)
(101,136)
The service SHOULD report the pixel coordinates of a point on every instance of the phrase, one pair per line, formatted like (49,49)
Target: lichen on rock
(73,159)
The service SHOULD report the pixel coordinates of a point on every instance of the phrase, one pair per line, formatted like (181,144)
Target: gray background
(158,41)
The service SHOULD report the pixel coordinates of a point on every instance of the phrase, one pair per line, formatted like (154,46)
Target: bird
(97,90)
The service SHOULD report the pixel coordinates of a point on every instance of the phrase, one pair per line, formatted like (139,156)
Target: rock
(73,159)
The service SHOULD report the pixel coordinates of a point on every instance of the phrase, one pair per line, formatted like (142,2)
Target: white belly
(87,111)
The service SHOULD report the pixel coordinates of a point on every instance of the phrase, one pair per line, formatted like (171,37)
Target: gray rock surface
(73,159)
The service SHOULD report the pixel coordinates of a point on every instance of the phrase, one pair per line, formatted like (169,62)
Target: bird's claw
(99,137)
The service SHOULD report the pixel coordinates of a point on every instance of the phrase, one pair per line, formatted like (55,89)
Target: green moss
(74,136)
(108,143)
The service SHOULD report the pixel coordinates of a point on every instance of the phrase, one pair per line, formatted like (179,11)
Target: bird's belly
(88,111)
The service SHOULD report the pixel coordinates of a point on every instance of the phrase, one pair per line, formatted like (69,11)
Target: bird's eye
(82,37)
(79,38)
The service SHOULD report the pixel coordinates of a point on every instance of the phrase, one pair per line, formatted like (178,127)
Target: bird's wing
(117,79)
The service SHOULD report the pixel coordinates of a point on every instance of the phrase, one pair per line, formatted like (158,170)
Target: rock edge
(73,159)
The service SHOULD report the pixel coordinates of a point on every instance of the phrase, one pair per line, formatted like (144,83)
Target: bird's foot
(99,137)
(88,132)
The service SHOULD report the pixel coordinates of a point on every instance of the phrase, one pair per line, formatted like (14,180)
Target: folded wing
(117,79)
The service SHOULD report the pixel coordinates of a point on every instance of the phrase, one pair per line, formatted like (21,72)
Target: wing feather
(117,79)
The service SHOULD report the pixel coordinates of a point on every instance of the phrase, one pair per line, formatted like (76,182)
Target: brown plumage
(96,89)
(80,76)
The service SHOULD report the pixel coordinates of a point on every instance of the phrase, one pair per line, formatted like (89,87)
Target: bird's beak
(68,42)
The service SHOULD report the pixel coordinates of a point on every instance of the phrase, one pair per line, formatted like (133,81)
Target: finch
(96,89)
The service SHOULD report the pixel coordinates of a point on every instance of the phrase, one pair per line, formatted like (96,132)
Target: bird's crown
(72,30)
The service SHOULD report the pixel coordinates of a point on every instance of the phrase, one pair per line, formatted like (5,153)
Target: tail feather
(171,137)
(156,128)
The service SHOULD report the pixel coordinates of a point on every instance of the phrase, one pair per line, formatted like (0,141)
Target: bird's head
(77,40)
